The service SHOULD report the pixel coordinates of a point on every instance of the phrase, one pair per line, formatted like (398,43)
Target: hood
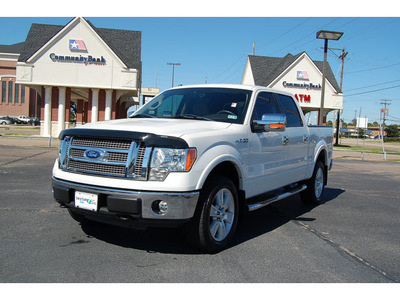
(167,127)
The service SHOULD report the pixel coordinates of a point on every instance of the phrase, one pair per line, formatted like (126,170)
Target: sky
(212,43)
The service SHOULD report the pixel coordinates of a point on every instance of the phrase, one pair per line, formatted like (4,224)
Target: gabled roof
(266,69)
(126,44)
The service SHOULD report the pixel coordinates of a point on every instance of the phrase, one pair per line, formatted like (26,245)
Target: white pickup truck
(195,156)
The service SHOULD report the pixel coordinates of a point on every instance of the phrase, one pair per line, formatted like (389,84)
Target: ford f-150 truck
(195,156)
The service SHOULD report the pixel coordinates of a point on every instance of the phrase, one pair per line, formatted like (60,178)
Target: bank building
(297,74)
(96,70)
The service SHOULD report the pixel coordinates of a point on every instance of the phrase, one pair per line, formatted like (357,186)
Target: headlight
(63,153)
(166,160)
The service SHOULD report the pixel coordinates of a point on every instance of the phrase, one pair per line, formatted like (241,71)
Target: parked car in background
(35,121)
(23,119)
(6,121)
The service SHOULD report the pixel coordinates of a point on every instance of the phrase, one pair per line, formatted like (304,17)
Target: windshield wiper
(192,117)
(141,116)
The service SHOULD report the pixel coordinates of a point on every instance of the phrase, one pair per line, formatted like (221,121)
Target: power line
(360,88)
(388,66)
(226,70)
(282,35)
(311,33)
(396,119)
(388,88)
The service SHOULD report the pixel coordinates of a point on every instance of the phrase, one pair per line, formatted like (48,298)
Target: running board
(263,203)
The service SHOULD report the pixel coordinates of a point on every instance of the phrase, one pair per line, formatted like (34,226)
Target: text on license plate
(86,200)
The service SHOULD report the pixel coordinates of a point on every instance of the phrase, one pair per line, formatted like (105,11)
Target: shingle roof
(16,48)
(38,35)
(126,44)
(265,69)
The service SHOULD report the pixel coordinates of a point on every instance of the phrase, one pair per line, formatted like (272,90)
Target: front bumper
(126,204)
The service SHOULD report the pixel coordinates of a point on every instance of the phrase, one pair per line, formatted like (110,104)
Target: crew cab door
(268,154)
(296,136)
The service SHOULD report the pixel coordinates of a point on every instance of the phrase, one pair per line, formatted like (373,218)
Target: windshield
(215,104)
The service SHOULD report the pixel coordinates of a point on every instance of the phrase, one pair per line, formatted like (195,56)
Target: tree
(344,124)
(361,132)
(392,131)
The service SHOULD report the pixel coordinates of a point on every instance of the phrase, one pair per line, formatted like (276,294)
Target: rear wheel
(216,218)
(315,186)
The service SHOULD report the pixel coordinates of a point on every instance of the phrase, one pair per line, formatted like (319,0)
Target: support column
(61,108)
(47,111)
(95,105)
(108,105)
(79,111)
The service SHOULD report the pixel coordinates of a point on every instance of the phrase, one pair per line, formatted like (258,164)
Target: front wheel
(216,218)
(315,186)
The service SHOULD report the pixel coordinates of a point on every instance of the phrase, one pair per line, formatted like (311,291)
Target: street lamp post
(173,70)
(325,35)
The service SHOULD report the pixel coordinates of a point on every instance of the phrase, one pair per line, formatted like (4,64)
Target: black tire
(216,217)
(314,193)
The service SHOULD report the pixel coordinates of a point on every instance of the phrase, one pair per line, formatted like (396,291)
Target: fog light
(163,207)
(160,207)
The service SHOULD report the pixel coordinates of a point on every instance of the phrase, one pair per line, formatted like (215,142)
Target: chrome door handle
(305,138)
(285,140)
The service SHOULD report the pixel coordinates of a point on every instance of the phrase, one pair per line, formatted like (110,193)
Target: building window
(10,91)
(16,94)
(22,94)
(3,91)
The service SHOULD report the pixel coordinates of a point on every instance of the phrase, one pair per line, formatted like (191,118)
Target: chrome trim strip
(104,149)
(97,161)
(261,204)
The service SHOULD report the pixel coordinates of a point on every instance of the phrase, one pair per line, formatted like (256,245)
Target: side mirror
(270,122)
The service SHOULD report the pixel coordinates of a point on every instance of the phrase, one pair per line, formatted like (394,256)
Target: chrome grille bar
(106,157)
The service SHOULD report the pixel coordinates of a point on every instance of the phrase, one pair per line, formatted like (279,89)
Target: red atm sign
(303,98)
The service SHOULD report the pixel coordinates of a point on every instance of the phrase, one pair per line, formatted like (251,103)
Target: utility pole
(342,57)
(358,125)
(384,111)
(173,70)
(385,103)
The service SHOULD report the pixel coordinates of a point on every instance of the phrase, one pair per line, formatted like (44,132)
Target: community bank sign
(307,86)
(78,59)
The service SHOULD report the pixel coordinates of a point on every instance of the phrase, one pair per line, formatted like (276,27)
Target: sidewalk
(359,155)
(29,141)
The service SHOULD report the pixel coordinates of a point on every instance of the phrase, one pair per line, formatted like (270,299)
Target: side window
(293,118)
(265,104)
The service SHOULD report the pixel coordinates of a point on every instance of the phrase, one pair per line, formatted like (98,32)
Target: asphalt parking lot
(351,238)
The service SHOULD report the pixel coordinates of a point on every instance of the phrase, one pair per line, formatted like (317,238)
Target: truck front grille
(107,157)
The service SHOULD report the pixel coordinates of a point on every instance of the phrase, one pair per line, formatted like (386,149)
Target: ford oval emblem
(94,154)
